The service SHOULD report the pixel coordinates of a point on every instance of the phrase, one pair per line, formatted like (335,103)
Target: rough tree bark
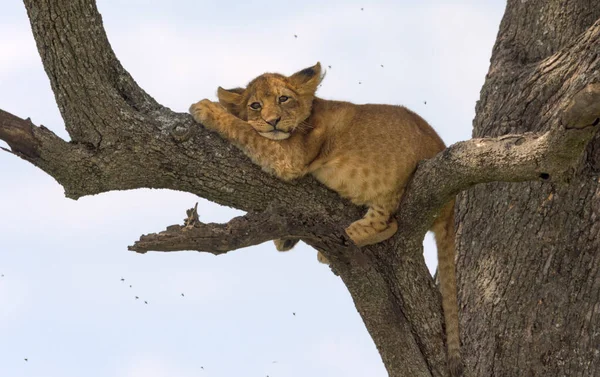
(528,274)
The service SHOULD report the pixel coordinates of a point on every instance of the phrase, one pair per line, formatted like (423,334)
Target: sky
(251,312)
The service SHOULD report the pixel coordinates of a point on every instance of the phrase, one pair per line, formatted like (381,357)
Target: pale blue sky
(62,304)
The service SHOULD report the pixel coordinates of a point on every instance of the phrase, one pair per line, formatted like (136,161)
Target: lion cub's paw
(363,234)
(322,258)
(206,112)
(285,244)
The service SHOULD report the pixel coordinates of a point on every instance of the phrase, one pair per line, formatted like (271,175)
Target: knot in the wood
(180,133)
(584,109)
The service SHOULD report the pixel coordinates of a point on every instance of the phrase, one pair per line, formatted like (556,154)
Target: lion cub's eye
(282,99)
(255,105)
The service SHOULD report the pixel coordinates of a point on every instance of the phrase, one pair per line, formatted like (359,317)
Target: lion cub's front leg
(284,158)
(214,117)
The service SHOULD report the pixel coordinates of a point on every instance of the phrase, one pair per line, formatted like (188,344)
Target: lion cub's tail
(443,228)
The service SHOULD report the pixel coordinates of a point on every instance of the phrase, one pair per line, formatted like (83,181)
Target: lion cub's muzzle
(275,134)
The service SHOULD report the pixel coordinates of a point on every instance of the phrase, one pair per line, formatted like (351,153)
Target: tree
(534,253)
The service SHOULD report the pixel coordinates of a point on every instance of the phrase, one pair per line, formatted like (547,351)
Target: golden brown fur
(366,153)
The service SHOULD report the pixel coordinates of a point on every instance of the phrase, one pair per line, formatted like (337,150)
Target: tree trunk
(529,253)
(527,269)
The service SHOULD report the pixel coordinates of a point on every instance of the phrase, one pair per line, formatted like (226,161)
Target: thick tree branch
(65,162)
(94,93)
(509,158)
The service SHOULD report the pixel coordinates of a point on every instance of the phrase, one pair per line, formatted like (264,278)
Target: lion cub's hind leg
(285,244)
(322,258)
(376,226)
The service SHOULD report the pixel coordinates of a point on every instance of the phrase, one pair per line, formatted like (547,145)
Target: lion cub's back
(396,129)
(374,151)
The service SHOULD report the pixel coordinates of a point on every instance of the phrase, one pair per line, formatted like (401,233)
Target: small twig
(192,217)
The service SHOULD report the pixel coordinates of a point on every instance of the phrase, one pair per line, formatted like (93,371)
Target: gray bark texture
(528,249)
(529,253)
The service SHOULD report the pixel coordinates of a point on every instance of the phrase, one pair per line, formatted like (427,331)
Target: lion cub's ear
(231,99)
(307,80)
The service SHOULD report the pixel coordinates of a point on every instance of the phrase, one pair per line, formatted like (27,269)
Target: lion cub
(366,153)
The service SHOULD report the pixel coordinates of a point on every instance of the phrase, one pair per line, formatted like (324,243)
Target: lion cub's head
(275,105)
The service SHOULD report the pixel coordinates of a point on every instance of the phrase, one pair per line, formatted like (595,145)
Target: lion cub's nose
(273,121)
